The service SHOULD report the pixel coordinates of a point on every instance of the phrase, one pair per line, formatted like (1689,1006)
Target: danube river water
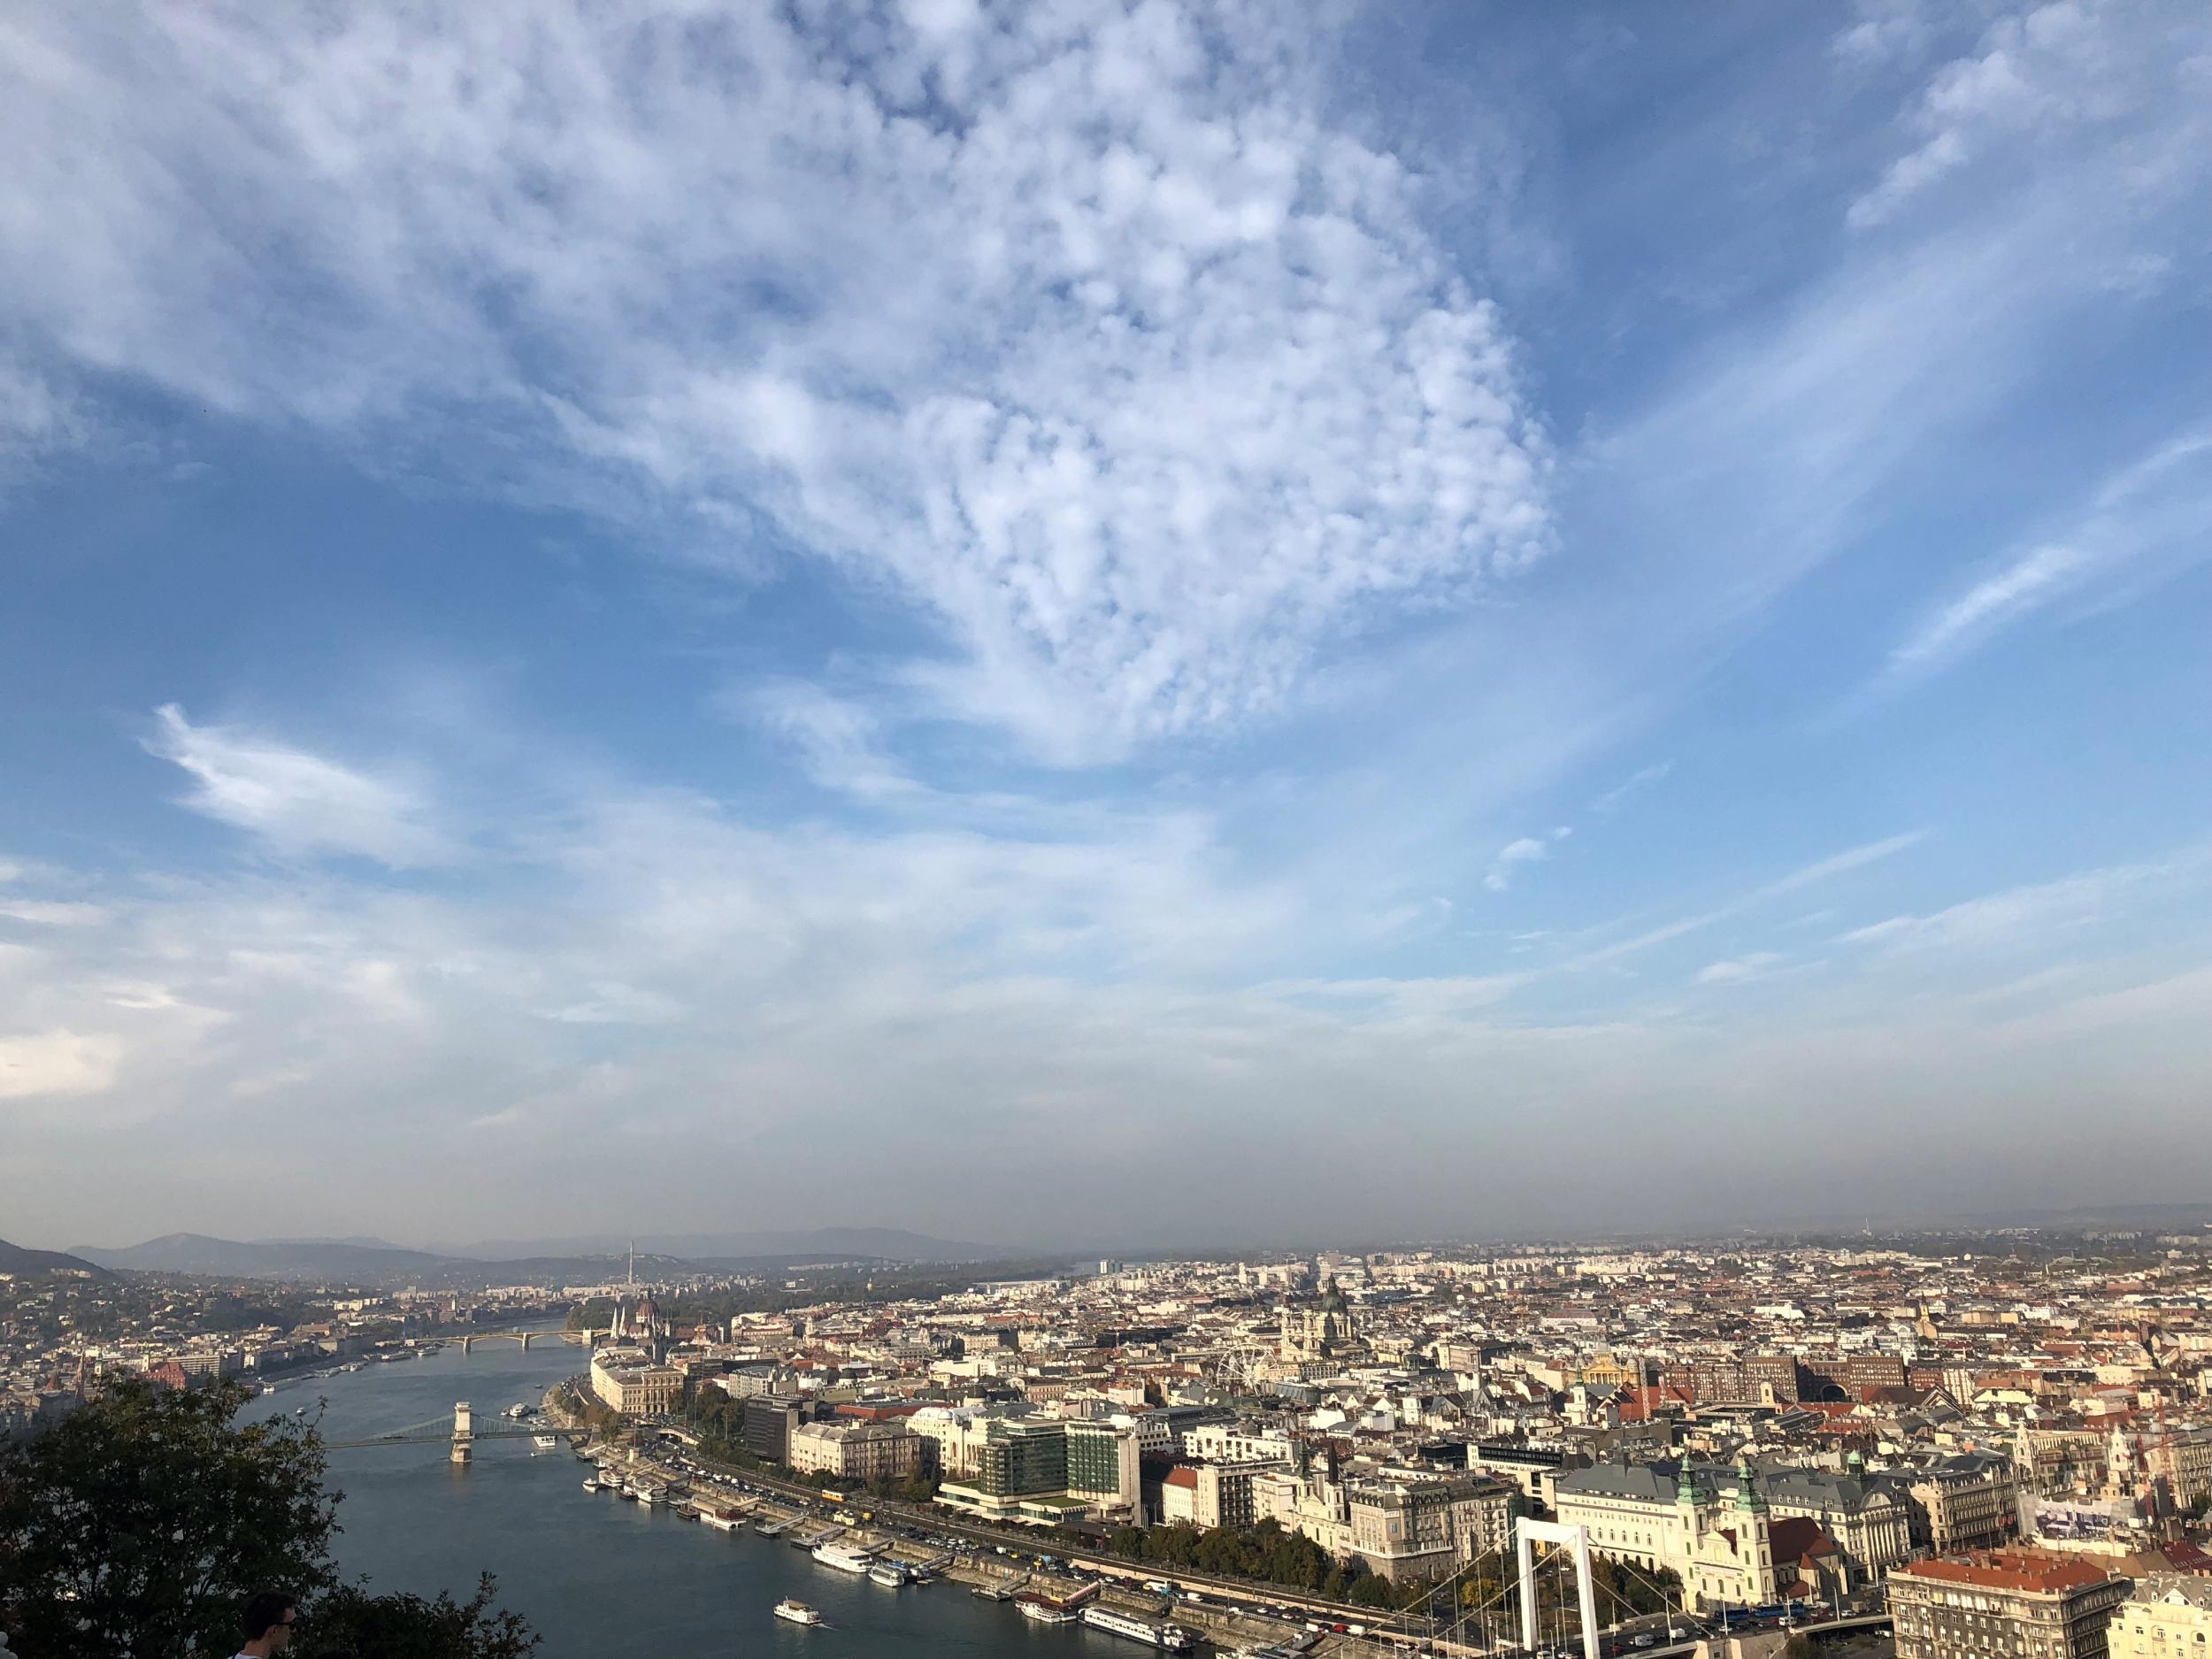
(597,1576)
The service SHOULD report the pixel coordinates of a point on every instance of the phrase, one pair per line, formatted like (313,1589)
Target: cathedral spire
(1687,1493)
(1749,1497)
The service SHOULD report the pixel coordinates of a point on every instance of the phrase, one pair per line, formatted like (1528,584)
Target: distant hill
(265,1258)
(17,1260)
(557,1261)
(888,1244)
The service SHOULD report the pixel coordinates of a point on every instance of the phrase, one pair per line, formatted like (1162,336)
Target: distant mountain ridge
(14,1258)
(376,1260)
(266,1258)
(894,1244)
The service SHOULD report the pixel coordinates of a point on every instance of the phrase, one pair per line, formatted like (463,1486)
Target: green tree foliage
(136,1529)
(138,1525)
(348,1619)
(1267,1553)
(594,1313)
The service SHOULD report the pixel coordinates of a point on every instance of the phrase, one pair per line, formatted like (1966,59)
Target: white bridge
(1528,1532)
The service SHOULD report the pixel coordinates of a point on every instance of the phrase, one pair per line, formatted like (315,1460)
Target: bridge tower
(463,1433)
(1577,1538)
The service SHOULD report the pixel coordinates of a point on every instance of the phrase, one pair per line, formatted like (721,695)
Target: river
(596,1577)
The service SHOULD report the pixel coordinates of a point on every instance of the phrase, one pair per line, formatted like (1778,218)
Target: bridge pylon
(1577,1538)
(463,1433)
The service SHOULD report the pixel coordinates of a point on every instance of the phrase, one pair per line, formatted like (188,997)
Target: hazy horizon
(679,1244)
(1102,621)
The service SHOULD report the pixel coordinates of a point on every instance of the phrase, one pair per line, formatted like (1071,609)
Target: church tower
(1756,1539)
(1689,1502)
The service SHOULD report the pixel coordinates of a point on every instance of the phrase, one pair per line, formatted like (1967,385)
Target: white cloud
(1643,776)
(1821,870)
(2143,523)
(1077,323)
(56,1063)
(37,420)
(1527,850)
(839,742)
(2038,72)
(1989,604)
(53,912)
(297,803)
(1885,29)
(1736,971)
(2035,911)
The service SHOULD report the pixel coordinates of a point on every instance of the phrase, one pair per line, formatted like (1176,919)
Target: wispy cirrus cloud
(1757,964)
(2144,521)
(839,742)
(1808,875)
(1527,850)
(1642,778)
(294,802)
(2032,912)
(53,912)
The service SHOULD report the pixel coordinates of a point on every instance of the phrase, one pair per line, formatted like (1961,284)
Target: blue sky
(1102,624)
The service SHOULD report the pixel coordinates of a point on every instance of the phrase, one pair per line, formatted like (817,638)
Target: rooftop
(2032,1570)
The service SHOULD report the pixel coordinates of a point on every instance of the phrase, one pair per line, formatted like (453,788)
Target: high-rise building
(1023,1459)
(769,1421)
(2004,1604)
(1103,1463)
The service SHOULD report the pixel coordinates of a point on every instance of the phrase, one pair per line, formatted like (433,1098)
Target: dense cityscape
(1999,1442)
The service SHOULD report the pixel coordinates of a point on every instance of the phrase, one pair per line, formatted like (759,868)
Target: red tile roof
(2010,1570)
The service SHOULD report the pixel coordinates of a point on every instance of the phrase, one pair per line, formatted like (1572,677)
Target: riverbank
(986,1566)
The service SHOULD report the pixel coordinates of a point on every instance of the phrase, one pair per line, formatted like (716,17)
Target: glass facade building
(1020,1458)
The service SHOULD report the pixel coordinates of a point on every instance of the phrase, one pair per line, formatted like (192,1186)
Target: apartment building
(1963,1502)
(2169,1616)
(2004,1604)
(855,1451)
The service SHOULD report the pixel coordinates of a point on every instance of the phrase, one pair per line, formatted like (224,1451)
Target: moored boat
(844,1559)
(1174,1638)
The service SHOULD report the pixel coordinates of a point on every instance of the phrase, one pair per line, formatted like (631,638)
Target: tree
(348,1619)
(137,1526)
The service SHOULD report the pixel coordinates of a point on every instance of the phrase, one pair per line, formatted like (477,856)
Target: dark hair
(264,1608)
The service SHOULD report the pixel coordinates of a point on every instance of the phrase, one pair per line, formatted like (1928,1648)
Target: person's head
(268,1618)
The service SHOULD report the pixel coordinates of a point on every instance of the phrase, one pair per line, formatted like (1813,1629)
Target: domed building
(1320,1331)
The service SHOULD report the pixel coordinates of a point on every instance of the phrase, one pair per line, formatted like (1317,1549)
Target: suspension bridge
(1590,1618)
(461,1431)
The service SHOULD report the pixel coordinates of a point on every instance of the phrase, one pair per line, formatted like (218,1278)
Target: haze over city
(1089,626)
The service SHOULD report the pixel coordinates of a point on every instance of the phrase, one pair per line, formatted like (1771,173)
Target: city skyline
(1102,623)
